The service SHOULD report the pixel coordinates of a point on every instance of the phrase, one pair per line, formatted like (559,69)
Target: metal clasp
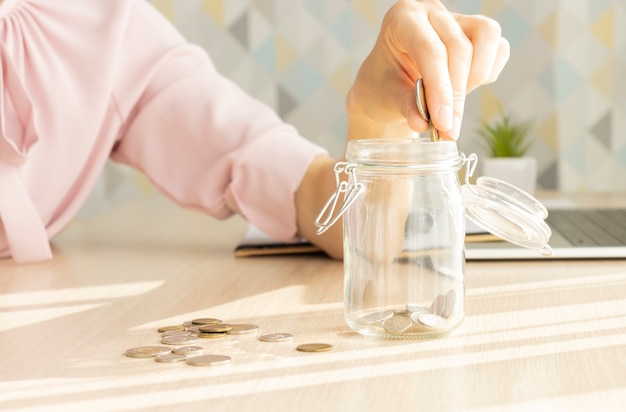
(470,163)
(350,188)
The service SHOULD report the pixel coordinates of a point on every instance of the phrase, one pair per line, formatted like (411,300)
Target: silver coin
(397,324)
(179,340)
(147,351)
(176,333)
(242,329)
(415,316)
(208,335)
(451,299)
(208,360)
(170,358)
(376,317)
(415,308)
(188,350)
(276,337)
(432,321)
(438,305)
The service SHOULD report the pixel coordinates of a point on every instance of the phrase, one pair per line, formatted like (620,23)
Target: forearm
(316,187)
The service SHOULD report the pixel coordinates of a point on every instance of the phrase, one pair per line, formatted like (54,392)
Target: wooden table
(539,335)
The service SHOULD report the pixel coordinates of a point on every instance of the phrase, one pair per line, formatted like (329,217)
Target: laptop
(577,233)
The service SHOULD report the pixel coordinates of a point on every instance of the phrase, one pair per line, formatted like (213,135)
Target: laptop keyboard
(590,227)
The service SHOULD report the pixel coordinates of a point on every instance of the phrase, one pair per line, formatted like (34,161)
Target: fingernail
(455,132)
(445,116)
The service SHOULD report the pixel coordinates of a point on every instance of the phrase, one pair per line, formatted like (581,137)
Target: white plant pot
(518,171)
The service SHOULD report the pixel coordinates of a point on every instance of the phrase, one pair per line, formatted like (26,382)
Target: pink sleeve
(210,146)
(81,81)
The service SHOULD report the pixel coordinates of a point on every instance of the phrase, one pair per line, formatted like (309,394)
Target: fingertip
(445,117)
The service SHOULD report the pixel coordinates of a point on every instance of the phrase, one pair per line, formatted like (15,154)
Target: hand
(453,53)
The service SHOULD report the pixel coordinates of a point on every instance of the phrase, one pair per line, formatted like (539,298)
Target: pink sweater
(87,80)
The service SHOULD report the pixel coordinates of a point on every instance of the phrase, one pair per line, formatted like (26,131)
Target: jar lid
(508,212)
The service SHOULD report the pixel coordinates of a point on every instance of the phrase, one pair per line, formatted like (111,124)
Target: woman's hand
(453,53)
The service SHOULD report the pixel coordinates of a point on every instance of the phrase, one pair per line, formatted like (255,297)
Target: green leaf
(505,138)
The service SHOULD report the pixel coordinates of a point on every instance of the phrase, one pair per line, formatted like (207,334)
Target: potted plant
(506,143)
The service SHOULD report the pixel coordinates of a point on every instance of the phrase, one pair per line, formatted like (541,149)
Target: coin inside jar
(432,321)
(438,305)
(397,324)
(451,299)
(376,317)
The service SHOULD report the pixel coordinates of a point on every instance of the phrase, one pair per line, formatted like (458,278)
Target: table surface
(538,335)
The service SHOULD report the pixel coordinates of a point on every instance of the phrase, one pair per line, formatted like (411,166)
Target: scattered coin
(170,358)
(276,337)
(147,351)
(397,324)
(205,321)
(209,335)
(215,328)
(314,347)
(242,329)
(208,360)
(193,329)
(176,333)
(179,340)
(170,328)
(188,350)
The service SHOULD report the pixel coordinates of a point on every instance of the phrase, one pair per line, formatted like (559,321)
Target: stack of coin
(213,330)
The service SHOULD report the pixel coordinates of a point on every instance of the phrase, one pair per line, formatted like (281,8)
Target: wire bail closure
(350,188)
(470,163)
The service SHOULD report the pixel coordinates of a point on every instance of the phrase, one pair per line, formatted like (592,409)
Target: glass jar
(404,235)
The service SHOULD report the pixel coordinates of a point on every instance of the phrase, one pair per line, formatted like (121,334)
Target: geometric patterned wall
(300,57)
(567,74)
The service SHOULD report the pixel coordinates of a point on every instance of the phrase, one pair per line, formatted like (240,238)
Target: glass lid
(508,212)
